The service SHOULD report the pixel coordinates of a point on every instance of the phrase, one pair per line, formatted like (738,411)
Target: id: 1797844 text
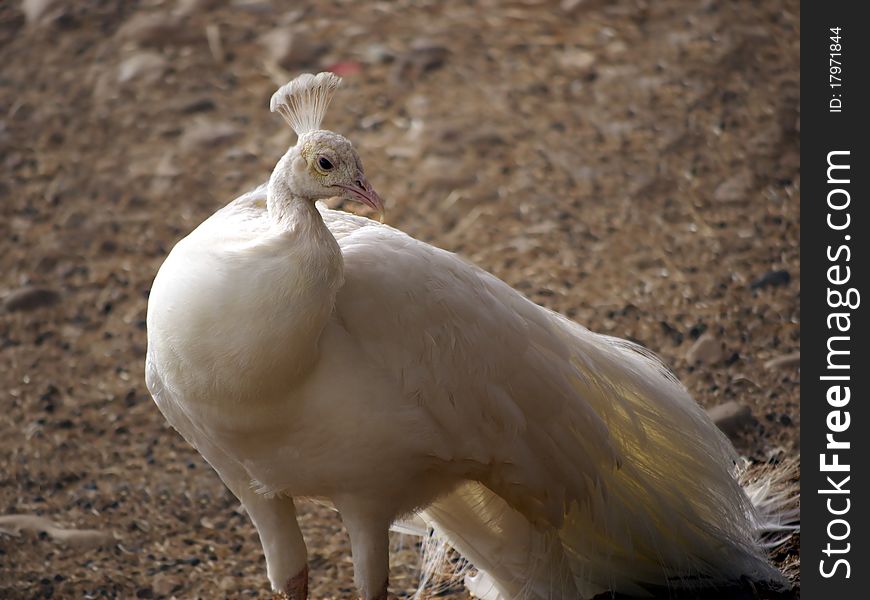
(835,70)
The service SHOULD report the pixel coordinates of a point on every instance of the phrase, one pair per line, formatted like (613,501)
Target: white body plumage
(307,352)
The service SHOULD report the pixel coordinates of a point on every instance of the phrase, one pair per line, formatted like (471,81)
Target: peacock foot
(296,588)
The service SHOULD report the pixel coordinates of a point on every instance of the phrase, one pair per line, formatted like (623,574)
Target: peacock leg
(368,527)
(282,541)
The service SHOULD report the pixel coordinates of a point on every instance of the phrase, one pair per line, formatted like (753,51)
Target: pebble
(291,50)
(736,188)
(147,66)
(163,584)
(154,29)
(577,59)
(79,538)
(423,57)
(206,134)
(771,278)
(730,416)
(189,7)
(706,350)
(227,583)
(786,361)
(40,11)
(378,54)
(443,175)
(675,334)
(569,6)
(193,105)
(30,298)
(263,7)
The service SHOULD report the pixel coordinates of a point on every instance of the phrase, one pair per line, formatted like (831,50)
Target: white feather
(304,100)
(559,462)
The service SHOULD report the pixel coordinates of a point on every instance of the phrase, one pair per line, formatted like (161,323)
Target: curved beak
(363,192)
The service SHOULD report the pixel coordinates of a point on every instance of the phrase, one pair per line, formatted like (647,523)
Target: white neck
(289,211)
(318,273)
(313,242)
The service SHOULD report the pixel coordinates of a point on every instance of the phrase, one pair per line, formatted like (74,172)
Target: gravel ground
(634,165)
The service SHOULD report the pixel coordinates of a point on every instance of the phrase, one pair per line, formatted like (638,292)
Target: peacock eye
(324,163)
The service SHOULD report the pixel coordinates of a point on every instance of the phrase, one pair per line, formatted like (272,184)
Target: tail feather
(502,556)
(517,560)
(676,511)
(776,498)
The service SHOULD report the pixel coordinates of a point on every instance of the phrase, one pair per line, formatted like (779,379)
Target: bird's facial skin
(334,167)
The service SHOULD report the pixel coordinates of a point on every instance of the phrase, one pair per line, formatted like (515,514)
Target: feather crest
(304,100)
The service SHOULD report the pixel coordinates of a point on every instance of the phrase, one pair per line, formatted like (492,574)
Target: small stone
(730,416)
(771,278)
(735,189)
(378,54)
(162,584)
(260,7)
(194,105)
(169,166)
(142,525)
(46,529)
(208,134)
(30,298)
(291,50)
(443,175)
(227,583)
(786,361)
(428,54)
(41,11)
(577,59)
(215,42)
(569,6)
(790,161)
(155,29)
(675,334)
(615,48)
(147,66)
(47,263)
(423,57)
(706,350)
(108,246)
(189,7)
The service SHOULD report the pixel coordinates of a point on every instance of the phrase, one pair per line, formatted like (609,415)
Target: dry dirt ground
(634,165)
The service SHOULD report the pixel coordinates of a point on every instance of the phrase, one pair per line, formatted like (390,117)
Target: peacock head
(322,164)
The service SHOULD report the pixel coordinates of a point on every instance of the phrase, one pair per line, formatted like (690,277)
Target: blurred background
(634,165)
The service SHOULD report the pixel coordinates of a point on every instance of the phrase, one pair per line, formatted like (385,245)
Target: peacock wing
(488,368)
